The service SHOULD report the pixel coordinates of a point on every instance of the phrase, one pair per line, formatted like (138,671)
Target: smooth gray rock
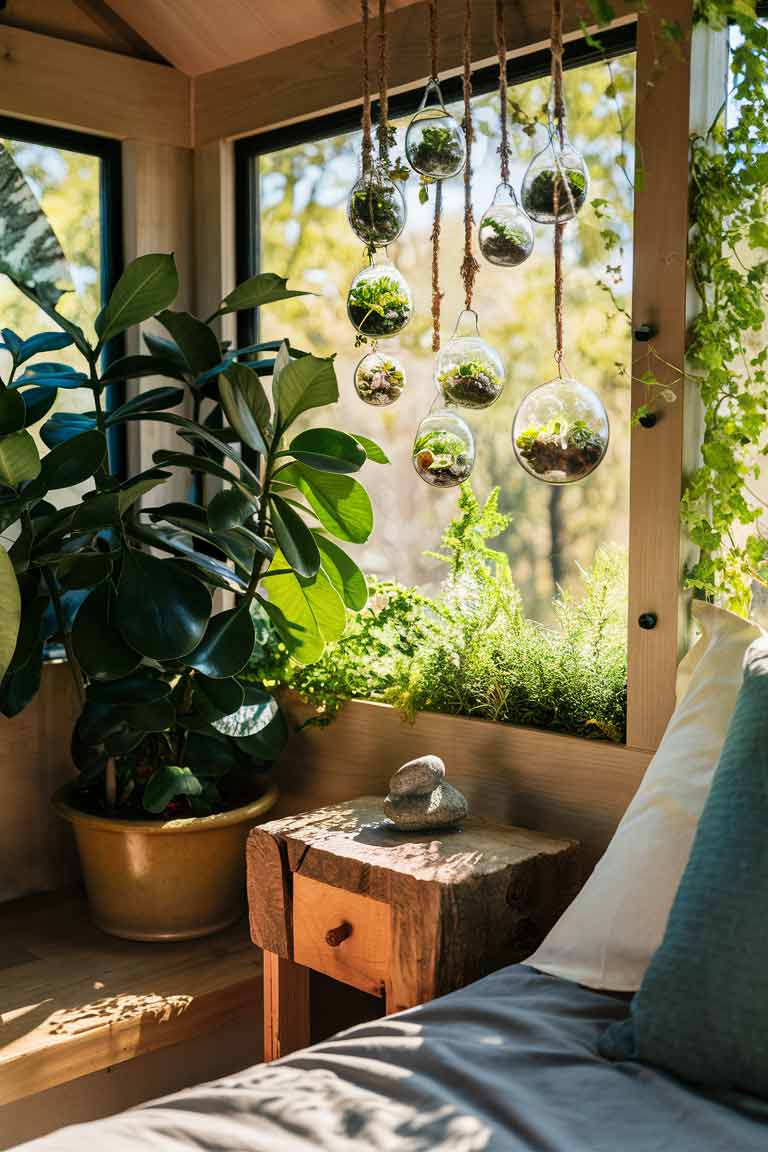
(444,807)
(418,777)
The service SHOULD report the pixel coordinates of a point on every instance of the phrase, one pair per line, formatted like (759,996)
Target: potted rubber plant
(171,743)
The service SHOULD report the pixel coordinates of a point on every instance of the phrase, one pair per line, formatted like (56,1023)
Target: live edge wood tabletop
(404,916)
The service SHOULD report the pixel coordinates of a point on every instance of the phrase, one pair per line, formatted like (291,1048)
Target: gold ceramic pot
(165,880)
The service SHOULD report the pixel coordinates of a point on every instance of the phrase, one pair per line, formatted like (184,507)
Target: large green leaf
(10,611)
(372,449)
(229,509)
(149,284)
(258,727)
(246,405)
(227,645)
(193,432)
(38,403)
(13,412)
(203,464)
(294,538)
(328,450)
(162,610)
(340,503)
(153,400)
(306,613)
(196,340)
(138,367)
(212,699)
(343,573)
(99,647)
(165,784)
(74,461)
(303,384)
(19,459)
(132,490)
(209,754)
(265,288)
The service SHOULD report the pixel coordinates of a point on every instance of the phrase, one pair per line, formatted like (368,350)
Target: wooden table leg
(286,1007)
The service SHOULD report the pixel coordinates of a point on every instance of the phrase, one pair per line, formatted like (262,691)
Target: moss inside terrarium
(438,152)
(376,213)
(441,458)
(380,384)
(501,241)
(472,384)
(379,307)
(539,197)
(549,449)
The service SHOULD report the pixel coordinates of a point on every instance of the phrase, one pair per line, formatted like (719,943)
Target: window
(294,223)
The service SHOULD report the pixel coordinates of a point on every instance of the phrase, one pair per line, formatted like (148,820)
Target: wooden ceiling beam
(115,26)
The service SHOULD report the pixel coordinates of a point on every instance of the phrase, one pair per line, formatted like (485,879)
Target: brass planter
(170,880)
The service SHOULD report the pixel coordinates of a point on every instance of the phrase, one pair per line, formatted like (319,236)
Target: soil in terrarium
(471,384)
(540,196)
(380,384)
(378,307)
(546,450)
(502,244)
(376,213)
(442,459)
(438,152)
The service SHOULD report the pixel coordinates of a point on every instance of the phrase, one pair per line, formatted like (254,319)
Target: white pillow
(606,938)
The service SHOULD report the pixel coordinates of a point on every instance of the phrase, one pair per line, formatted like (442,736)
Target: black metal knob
(648,420)
(645,332)
(647,620)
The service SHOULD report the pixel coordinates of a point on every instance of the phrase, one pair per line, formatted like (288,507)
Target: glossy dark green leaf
(38,403)
(64,426)
(73,330)
(265,288)
(258,727)
(197,342)
(138,367)
(101,650)
(328,450)
(84,571)
(204,465)
(294,538)
(190,560)
(167,350)
(21,682)
(154,400)
(19,459)
(229,509)
(132,490)
(193,432)
(372,449)
(138,688)
(165,784)
(13,413)
(245,402)
(52,375)
(40,343)
(171,621)
(227,645)
(149,284)
(101,510)
(303,384)
(343,573)
(74,461)
(340,503)
(212,699)
(209,754)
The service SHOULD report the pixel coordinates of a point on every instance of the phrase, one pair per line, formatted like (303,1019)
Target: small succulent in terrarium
(444,450)
(560,432)
(505,234)
(379,379)
(470,384)
(376,209)
(439,152)
(379,302)
(572,452)
(557,169)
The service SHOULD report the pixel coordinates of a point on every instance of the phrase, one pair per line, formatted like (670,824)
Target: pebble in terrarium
(376,209)
(444,449)
(468,371)
(505,234)
(560,432)
(379,301)
(558,166)
(434,141)
(379,379)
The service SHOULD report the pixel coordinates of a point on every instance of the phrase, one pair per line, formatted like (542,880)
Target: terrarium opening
(434,142)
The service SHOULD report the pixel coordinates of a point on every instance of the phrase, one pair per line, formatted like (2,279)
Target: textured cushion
(607,936)
(702,1009)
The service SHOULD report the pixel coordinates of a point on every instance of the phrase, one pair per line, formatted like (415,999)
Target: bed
(508,1064)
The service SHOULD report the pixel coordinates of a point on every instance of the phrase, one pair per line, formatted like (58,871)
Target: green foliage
(540,196)
(472,384)
(439,152)
(167,724)
(379,307)
(471,650)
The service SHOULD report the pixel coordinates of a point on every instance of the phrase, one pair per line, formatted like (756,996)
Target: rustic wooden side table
(403,916)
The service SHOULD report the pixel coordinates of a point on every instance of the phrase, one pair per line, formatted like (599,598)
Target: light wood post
(286,1006)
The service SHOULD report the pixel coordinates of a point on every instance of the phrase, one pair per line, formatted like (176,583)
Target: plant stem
(74,667)
(110,783)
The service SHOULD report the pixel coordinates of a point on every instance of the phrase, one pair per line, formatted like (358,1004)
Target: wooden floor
(74,1001)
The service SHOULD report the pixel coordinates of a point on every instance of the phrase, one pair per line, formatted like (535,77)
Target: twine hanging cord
(367,149)
(434,38)
(437,295)
(559,180)
(501,52)
(383,86)
(469,265)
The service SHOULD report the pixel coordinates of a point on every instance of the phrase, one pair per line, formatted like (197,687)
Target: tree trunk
(556,536)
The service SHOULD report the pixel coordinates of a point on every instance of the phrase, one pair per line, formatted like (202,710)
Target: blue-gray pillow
(702,1009)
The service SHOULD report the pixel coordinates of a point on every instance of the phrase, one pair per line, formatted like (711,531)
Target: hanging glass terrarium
(444,449)
(560,432)
(434,142)
(379,301)
(556,184)
(379,379)
(376,209)
(505,234)
(468,371)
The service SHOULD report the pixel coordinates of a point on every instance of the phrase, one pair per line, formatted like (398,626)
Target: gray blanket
(506,1065)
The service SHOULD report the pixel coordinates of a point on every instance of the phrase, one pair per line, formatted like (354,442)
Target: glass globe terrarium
(376,209)
(379,379)
(505,234)
(559,173)
(444,449)
(434,142)
(468,371)
(379,301)
(560,432)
